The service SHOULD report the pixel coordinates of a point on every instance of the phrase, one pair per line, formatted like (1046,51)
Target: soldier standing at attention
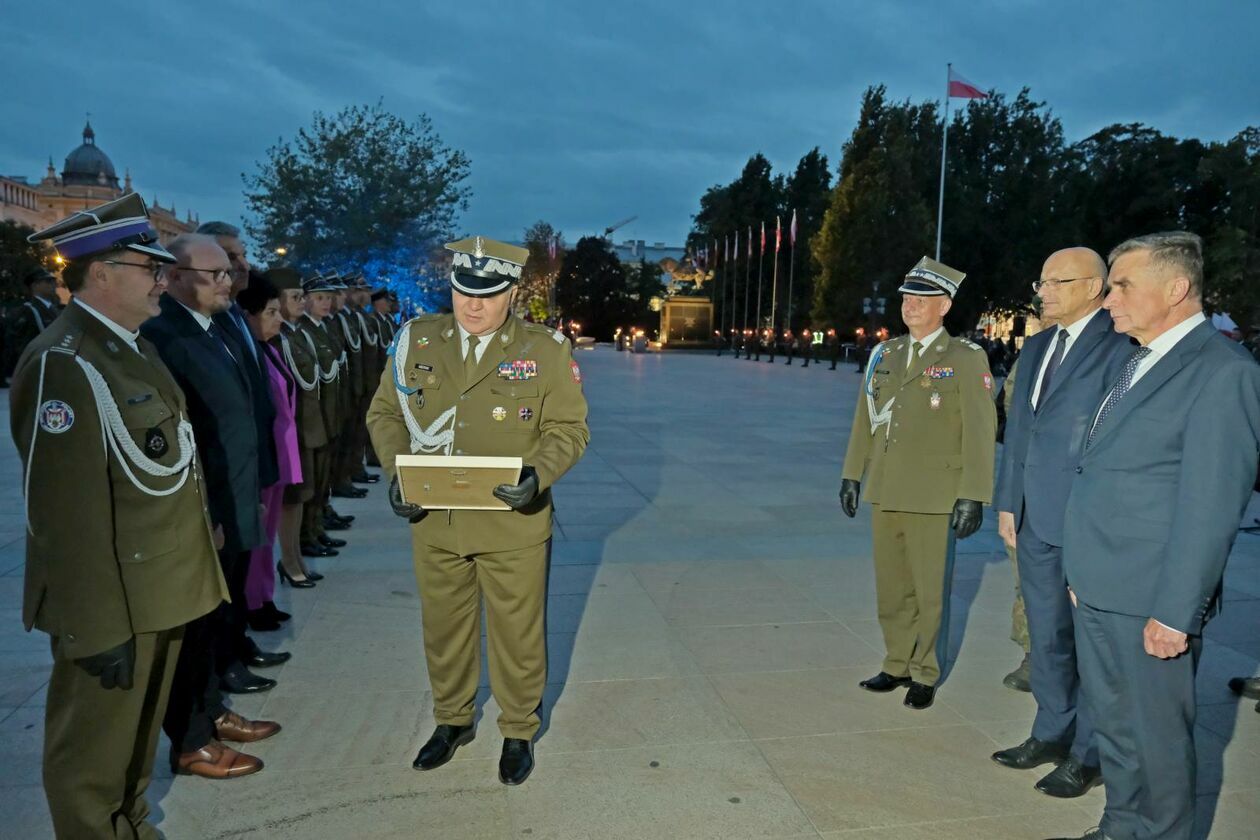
(922,439)
(119,552)
(482,381)
(313,329)
(31,317)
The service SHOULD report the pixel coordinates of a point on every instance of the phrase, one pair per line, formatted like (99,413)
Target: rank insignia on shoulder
(935,372)
(518,371)
(988,381)
(55,417)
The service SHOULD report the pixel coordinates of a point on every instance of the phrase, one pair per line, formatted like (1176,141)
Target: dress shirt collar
(482,343)
(1167,340)
(926,342)
(202,320)
(44,301)
(126,335)
(1077,327)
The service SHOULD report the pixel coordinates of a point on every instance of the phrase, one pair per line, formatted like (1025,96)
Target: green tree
(881,215)
(1230,173)
(537,283)
(591,288)
(808,193)
(17,257)
(644,281)
(360,187)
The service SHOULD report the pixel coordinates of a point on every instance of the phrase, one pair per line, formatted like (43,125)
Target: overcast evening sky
(584,113)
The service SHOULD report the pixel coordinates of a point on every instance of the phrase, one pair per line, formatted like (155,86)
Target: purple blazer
(284,395)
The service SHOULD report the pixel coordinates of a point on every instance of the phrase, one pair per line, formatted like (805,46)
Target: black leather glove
(412,513)
(518,496)
(967,518)
(850,491)
(115,667)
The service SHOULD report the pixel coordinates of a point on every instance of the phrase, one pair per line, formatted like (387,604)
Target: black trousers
(229,622)
(195,699)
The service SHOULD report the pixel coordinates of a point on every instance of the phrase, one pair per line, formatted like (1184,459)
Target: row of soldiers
(336,352)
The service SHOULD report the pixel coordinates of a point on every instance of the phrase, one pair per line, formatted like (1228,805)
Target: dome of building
(88,165)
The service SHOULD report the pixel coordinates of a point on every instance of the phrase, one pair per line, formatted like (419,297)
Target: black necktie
(218,336)
(1056,358)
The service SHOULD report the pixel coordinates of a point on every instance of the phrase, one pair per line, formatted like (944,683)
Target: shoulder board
(554,334)
(424,317)
(967,343)
(68,342)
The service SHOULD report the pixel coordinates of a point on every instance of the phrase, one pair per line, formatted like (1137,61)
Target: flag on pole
(763,237)
(792,229)
(551,247)
(778,234)
(750,240)
(726,248)
(963,89)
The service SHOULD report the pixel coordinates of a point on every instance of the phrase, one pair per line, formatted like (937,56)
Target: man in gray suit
(1069,369)
(1169,460)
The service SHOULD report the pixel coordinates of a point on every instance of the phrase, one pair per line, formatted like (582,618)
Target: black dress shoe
(265,659)
(275,612)
(330,542)
(1070,780)
(349,492)
(332,524)
(317,550)
(1032,753)
(882,682)
(238,680)
(517,761)
(1246,687)
(365,477)
(920,696)
(441,746)
(1092,834)
(261,621)
(328,511)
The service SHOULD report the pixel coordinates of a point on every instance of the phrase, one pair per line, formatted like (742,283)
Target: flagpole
(791,273)
(940,204)
(774,284)
(761,267)
(747,277)
(734,287)
(717,301)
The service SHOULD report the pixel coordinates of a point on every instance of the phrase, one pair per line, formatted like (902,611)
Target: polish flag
(960,88)
(778,234)
(750,240)
(792,230)
(763,237)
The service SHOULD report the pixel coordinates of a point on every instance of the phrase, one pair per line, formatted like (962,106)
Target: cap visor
(154,250)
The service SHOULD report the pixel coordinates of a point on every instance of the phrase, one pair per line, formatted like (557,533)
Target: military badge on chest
(155,444)
(934,401)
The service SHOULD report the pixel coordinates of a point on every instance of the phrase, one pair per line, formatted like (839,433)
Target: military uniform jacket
(373,349)
(104,559)
(302,364)
(329,358)
(934,444)
(352,339)
(22,323)
(539,417)
(345,391)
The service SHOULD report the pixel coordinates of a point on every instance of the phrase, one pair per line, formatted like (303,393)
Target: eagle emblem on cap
(477,249)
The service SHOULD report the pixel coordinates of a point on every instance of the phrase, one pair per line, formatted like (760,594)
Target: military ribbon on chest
(518,371)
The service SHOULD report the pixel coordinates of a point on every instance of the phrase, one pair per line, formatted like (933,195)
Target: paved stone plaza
(710,615)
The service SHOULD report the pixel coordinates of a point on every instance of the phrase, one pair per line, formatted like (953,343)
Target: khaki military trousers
(99,744)
(313,510)
(914,559)
(514,586)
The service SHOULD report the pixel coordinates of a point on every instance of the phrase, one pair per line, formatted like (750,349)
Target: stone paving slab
(710,615)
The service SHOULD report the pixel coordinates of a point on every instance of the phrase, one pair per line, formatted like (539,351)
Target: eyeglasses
(219,275)
(1054,284)
(154,268)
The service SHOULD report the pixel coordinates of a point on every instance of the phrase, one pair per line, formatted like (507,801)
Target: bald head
(202,279)
(1072,284)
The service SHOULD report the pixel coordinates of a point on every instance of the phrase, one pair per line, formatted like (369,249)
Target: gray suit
(1151,518)
(1041,449)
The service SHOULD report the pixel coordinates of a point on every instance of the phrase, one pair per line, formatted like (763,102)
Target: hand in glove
(412,513)
(850,491)
(115,666)
(518,496)
(966,518)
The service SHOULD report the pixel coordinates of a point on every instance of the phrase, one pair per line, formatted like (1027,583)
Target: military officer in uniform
(373,350)
(922,440)
(119,551)
(313,329)
(349,331)
(384,321)
(31,317)
(482,381)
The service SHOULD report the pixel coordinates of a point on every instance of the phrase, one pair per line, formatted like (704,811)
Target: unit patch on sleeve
(55,417)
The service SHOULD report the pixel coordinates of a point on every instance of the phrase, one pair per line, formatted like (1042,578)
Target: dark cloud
(585,113)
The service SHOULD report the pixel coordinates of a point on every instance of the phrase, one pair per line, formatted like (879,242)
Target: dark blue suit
(1041,448)
(1151,519)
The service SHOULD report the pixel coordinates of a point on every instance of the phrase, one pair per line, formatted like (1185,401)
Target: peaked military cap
(38,275)
(334,280)
(380,294)
(929,278)
(283,277)
(118,225)
(318,283)
(483,267)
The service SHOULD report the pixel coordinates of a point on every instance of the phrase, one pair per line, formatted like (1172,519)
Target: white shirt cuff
(1166,627)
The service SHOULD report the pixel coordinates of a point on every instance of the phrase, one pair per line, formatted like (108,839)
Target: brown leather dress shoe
(233,727)
(216,761)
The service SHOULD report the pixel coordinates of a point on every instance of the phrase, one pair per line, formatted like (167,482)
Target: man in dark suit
(203,360)
(1169,459)
(1069,369)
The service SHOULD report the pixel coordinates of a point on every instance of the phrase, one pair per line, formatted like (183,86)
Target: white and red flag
(960,88)
(792,229)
